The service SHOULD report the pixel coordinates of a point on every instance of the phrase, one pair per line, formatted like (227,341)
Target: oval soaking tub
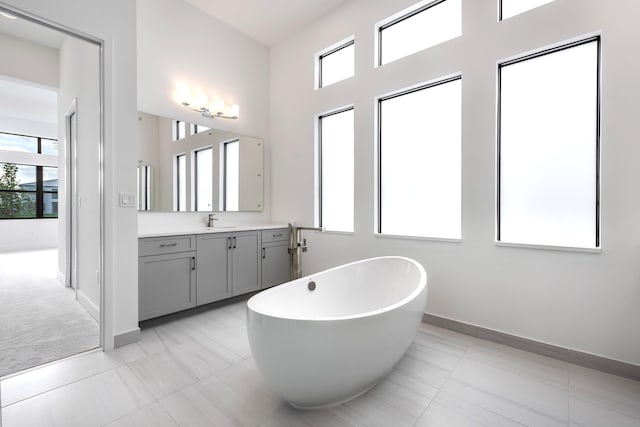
(322,347)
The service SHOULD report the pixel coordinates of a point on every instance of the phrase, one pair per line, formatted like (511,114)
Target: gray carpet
(40,320)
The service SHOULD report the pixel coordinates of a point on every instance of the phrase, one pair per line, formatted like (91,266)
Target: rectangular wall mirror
(197,168)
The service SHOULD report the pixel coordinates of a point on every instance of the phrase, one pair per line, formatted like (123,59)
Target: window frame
(403,15)
(351,41)
(378,159)
(532,55)
(319,189)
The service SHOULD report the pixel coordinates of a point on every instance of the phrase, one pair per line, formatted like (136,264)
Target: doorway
(69,269)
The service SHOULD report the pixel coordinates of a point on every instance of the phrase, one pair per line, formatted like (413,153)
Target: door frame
(100,44)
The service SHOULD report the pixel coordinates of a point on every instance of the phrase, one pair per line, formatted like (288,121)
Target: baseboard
(587,360)
(126,338)
(88,305)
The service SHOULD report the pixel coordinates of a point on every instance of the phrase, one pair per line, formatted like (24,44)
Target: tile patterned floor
(198,371)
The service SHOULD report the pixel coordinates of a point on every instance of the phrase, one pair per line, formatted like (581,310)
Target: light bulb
(235,110)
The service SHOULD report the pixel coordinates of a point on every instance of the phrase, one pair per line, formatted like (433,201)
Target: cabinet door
(276,264)
(214,260)
(246,267)
(167,284)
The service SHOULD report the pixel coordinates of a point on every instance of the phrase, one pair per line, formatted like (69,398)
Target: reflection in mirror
(145,191)
(196,168)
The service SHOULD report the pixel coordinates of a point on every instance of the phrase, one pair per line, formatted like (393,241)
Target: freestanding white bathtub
(322,347)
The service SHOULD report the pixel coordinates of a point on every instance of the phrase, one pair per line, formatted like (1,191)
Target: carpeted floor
(40,320)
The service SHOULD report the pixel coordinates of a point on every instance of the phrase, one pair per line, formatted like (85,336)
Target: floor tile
(198,359)
(189,407)
(509,393)
(55,375)
(162,374)
(286,416)
(233,401)
(93,401)
(449,411)
(540,368)
(369,410)
(152,415)
(405,393)
(596,395)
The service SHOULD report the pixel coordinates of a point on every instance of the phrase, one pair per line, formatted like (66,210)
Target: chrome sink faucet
(212,219)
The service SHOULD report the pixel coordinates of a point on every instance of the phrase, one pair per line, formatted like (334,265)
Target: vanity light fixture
(217,110)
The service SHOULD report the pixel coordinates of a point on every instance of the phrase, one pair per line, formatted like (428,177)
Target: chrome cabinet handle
(168,245)
(264,254)
(234,242)
(277,235)
(229,246)
(193,263)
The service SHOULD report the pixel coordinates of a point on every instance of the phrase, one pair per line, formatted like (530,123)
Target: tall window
(548,147)
(204,179)
(231,176)
(419,155)
(419,28)
(28,190)
(335,167)
(509,8)
(180,202)
(336,64)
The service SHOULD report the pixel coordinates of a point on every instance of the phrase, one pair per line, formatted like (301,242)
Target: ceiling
(27,30)
(20,100)
(267,21)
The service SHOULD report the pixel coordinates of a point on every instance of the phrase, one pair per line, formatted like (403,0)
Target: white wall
(178,43)
(584,301)
(36,65)
(115,23)
(80,84)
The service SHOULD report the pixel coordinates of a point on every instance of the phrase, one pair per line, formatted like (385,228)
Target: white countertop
(206,230)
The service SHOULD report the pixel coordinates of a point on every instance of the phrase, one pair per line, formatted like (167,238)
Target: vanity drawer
(275,235)
(166,245)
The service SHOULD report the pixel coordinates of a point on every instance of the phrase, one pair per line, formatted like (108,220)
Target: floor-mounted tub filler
(326,338)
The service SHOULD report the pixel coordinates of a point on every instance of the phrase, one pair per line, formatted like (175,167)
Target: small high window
(336,63)
(509,8)
(418,28)
(419,161)
(548,147)
(335,181)
(179,130)
(195,128)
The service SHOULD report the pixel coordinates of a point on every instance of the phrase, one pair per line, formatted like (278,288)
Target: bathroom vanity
(188,268)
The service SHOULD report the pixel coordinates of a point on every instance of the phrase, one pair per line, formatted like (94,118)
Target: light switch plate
(127,200)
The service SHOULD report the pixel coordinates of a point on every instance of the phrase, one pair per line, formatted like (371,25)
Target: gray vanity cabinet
(166,275)
(276,260)
(245,262)
(228,265)
(214,261)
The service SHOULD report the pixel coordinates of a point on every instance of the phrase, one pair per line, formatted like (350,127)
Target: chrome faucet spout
(212,218)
